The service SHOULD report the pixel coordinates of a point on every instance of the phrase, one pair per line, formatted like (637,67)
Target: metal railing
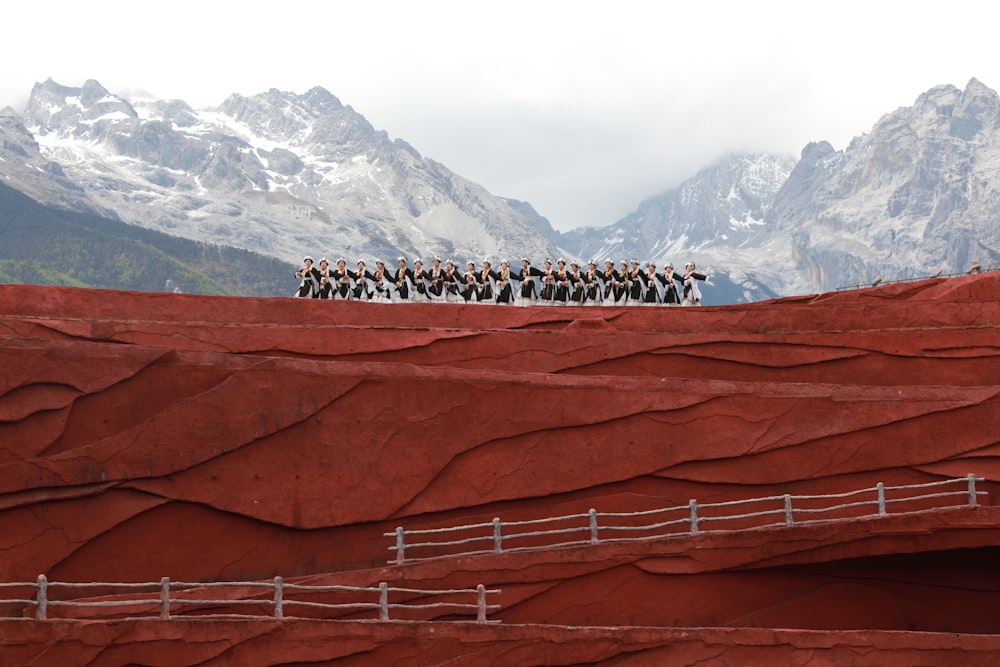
(691,519)
(163,605)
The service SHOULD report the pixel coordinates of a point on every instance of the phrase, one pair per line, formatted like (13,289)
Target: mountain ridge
(277,172)
(285,174)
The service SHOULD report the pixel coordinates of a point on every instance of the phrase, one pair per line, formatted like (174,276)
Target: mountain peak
(276,172)
(53,106)
(92,93)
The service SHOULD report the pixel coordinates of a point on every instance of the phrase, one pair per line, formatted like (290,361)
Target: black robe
(363,285)
(562,286)
(470,285)
(435,278)
(341,283)
(325,284)
(651,295)
(400,278)
(577,287)
(612,291)
(635,289)
(484,292)
(309,287)
(670,294)
(451,282)
(506,290)
(694,275)
(380,283)
(592,285)
(527,279)
(548,285)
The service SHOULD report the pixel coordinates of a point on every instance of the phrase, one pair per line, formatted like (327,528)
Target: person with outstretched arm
(692,293)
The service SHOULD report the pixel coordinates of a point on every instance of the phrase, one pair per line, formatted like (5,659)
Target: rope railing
(975,268)
(593,527)
(164,605)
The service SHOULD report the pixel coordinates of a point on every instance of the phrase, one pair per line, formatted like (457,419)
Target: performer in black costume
(309,275)
(435,278)
(380,283)
(325,279)
(668,278)
(485,278)
(341,279)
(610,277)
(419,278)
(561,297)
(692,293)
(402,279)
(576,286)
(452,283)
(470,286)
(633,283)
(651,293)
(621,289)
(548,277)
(527,294)
(362,283)
(505,289)
(592,285)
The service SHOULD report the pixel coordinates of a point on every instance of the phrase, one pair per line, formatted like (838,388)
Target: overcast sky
(581,108)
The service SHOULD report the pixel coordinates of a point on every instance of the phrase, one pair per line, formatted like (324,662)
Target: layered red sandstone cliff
(208,438)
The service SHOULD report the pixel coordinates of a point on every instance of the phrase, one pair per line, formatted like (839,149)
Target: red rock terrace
(214,440)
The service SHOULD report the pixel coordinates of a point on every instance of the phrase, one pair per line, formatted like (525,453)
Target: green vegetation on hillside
(44,245)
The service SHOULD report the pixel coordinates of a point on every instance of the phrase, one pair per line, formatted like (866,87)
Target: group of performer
(556,285)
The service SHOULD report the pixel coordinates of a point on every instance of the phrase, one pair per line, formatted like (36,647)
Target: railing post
(165,598)
(279,597)
(480,604)
(973,501)
(694,516)
(42,598)
(789,520)
(383,601)
(497,545)
(593,526)
(881,499)
(399,546)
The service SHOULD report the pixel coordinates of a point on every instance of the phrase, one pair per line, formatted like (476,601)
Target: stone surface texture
(236,439)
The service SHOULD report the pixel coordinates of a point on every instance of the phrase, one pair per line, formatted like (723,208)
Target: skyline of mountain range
(283,174)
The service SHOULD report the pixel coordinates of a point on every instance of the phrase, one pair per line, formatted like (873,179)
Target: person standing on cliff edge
(325,280)
(309,287)
(527,294)
(667,278)
(692,295)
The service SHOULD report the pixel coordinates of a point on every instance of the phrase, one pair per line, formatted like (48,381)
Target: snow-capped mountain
(721,207)
(918,195)
(286,174)
(277,173)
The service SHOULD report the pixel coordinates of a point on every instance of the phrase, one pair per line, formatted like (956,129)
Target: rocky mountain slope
(285,174)
(277,173)
(916,195)
(721,207)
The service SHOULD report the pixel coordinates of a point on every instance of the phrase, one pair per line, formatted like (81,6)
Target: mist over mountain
(286,174)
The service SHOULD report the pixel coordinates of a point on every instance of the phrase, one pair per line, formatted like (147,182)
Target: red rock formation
(207,438)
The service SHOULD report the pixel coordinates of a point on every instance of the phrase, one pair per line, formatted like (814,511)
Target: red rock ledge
(215,438)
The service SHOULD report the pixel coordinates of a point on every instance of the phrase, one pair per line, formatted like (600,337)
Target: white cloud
(581,108)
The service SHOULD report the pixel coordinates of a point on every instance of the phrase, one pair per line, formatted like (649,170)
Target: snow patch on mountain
(277,173)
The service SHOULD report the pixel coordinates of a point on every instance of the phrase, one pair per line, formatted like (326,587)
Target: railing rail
(691,519)
(280,601)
